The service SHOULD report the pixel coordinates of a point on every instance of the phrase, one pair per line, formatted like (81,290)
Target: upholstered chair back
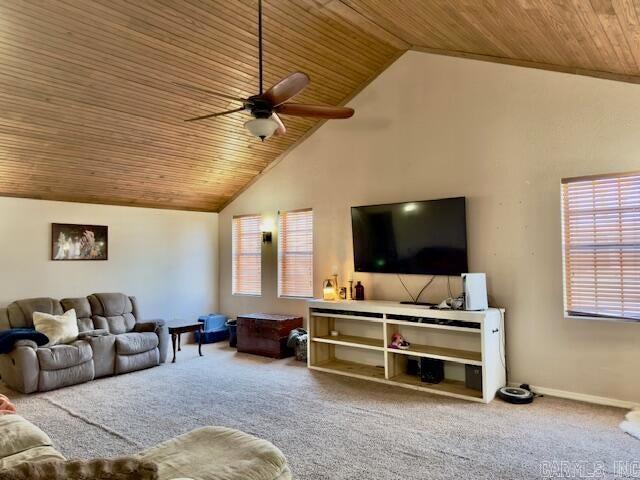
(83,312)
(115,312)
(19,314)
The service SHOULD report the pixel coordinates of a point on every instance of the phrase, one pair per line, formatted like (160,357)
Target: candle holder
(329,290)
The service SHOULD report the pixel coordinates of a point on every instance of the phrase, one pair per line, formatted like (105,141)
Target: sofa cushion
(115,324)
(18,435)
(138,361)
(112,304)
(113,311)
(52,379)
(58,328)
(132,343)
(20,312)
(64,356)
(237,456)
(83,312)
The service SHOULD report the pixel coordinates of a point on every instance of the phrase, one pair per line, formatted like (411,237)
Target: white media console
(365,329)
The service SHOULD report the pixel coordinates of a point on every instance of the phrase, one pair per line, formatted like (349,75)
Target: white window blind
(601,243)
(246,276)
(295,253)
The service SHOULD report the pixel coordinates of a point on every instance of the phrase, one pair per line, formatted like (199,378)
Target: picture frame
(78,242)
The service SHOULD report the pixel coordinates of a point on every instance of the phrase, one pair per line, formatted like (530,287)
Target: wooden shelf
(347,317)
(353,341)
(351,369)
(442,353)
(450,387)
(434,326)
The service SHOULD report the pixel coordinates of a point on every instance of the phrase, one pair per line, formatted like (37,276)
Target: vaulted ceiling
(89,113)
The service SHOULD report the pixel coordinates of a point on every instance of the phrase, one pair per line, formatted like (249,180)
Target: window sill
(289,297)
(602,319)
(254,295)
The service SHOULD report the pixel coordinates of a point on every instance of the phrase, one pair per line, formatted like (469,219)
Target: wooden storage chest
(266,334)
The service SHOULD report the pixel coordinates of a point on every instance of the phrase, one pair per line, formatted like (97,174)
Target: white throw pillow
(58,328)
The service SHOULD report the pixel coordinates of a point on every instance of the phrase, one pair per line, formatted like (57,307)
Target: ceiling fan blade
(210,92)
(218,114)
(286,88)
(316,111)
(281,130)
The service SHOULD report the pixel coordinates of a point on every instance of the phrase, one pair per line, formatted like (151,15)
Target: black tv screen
(427,237)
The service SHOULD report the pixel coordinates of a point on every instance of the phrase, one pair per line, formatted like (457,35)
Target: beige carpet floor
(331,427)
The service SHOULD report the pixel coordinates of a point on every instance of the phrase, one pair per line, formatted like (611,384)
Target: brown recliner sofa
(113,339)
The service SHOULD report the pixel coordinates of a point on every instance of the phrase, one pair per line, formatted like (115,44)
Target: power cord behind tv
(415,301)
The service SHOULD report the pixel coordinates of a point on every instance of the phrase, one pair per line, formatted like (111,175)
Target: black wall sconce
(267,227)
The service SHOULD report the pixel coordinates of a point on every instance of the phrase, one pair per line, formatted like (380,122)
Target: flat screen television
(427,237)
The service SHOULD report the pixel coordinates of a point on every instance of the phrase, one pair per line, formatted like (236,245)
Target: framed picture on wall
(79,242)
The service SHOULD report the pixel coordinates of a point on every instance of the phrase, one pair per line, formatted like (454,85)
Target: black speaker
(413,366)
(473,377)
(431,370)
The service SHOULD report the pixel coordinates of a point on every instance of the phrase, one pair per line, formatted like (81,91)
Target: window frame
(280,255)
(233,256)
(565,299)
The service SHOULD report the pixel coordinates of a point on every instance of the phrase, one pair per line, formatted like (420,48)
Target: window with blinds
(295,253)
(601,244)
(246,269)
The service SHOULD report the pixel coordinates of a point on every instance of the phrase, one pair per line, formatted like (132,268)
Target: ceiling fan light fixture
(261,127)
(265,106)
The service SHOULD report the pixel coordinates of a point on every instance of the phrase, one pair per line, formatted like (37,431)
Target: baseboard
(582,397)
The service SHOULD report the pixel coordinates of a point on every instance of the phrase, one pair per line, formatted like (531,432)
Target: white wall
(167,259)
(433,127)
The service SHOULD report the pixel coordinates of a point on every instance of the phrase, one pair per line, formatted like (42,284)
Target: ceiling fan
(265,106)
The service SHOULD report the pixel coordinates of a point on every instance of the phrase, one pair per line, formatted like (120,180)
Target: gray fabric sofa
(113,339)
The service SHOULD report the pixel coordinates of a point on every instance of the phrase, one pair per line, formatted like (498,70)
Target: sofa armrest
(148,325)
(158,321)
(26,343)
(20,368)
(93,333)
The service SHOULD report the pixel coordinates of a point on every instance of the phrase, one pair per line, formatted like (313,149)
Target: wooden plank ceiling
(88,111)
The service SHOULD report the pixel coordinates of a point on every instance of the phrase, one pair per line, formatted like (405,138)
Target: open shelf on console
(352,341)
(447,386)
(348,315)
(435,326)
(441,353)
(352,369)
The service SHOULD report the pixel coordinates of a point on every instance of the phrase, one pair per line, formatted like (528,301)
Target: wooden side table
(178,327)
